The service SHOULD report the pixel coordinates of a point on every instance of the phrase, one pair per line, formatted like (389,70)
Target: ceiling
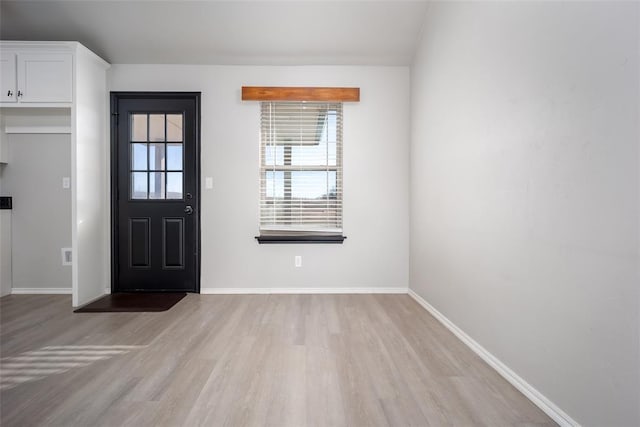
(225,32)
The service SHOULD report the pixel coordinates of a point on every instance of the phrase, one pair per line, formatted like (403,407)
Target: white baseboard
(553,411)
(40,291)
(216,291)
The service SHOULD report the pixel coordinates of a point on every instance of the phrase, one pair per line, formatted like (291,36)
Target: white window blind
(301,168)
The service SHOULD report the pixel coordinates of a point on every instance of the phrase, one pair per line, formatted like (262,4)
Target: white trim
(36,104)
(37,129)
(215,291)
(40,291)
(542,402)
(49,46)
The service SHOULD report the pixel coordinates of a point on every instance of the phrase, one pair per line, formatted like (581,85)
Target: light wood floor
(278,360)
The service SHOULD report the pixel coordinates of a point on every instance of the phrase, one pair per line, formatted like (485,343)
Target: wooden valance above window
(317,94)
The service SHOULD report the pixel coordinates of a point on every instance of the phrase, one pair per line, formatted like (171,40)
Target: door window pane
(156,185)
(138,127)
(174,157)
(174,127)
(151,156)
(139,156)
(156,127)
(138,185)
(174,185)
(156,156)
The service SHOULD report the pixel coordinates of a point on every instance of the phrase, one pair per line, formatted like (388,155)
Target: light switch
(67,256)
(208,183)
(66,182)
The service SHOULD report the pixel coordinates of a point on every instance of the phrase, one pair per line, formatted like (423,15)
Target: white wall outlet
(66,182)
(298,260)
(67,256)
(208,183)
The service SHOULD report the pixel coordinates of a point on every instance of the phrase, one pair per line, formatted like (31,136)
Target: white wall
(525,192)
(90,176)
(376,143)
(41,215)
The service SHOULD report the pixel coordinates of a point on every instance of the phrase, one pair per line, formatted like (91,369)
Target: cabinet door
(8,77)
(45,77)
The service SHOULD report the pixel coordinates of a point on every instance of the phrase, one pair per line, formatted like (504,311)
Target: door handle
(10,93)
(188,210)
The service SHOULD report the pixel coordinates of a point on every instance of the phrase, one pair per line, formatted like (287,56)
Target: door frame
(113,170)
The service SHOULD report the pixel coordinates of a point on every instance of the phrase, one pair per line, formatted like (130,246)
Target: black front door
(155,191)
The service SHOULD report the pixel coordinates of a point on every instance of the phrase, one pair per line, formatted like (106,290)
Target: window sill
(300,239)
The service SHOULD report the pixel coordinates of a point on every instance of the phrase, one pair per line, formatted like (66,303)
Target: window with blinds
(301,168)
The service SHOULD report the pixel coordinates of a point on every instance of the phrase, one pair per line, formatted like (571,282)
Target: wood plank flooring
(246,360)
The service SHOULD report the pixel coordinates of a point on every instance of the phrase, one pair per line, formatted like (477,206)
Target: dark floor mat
(129,302)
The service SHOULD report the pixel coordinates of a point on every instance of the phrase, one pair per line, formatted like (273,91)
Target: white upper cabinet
(8,82)
(36,77)
(45,77)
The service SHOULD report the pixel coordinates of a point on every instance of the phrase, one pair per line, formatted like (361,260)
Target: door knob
(188,210)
